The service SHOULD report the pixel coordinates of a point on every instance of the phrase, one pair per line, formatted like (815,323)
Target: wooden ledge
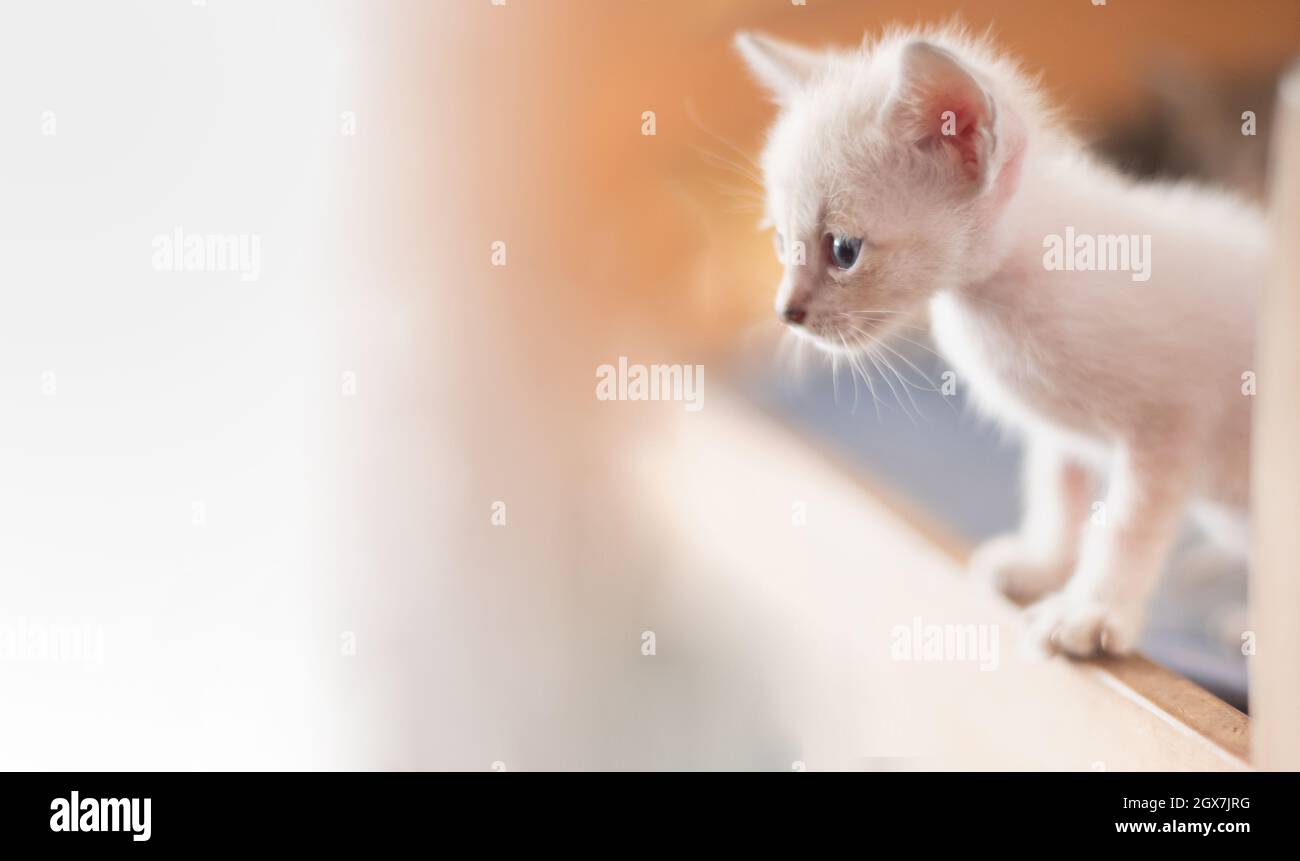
(1172,697)
(867,561)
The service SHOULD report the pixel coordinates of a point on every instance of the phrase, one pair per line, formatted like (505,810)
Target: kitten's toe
(1080,627)
(1003,563)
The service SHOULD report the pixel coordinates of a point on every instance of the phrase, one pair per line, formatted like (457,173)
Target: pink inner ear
(965,138)
(960,134)
(934,83)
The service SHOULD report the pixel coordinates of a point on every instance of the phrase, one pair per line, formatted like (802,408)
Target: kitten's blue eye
(844,251)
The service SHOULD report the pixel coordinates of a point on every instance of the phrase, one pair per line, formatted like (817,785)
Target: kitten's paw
(1007,566)
(1082,627)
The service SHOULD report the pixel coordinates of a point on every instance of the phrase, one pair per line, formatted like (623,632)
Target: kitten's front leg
(1040,556)
(1103,606)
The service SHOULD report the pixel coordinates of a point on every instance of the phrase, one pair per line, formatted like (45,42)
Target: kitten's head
(882,176)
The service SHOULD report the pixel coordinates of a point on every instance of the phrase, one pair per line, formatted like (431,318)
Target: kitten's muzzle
(794,314)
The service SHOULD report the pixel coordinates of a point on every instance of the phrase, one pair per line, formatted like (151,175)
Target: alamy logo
(58,641)
(102,814)
(921,642)
(179,251)
(654,383)
(1083,252)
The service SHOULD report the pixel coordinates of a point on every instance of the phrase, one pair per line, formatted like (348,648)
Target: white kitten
(923,173)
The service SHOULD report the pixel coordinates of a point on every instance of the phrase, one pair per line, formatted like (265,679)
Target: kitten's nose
(794,314)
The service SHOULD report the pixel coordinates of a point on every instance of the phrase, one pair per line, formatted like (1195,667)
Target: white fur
(1136,382)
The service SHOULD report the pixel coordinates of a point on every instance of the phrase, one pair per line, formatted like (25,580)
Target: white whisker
(906,389)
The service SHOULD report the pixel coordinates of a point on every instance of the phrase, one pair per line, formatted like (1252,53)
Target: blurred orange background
(658,232)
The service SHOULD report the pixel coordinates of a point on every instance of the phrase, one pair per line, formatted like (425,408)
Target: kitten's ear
(941,107)
(781,67)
